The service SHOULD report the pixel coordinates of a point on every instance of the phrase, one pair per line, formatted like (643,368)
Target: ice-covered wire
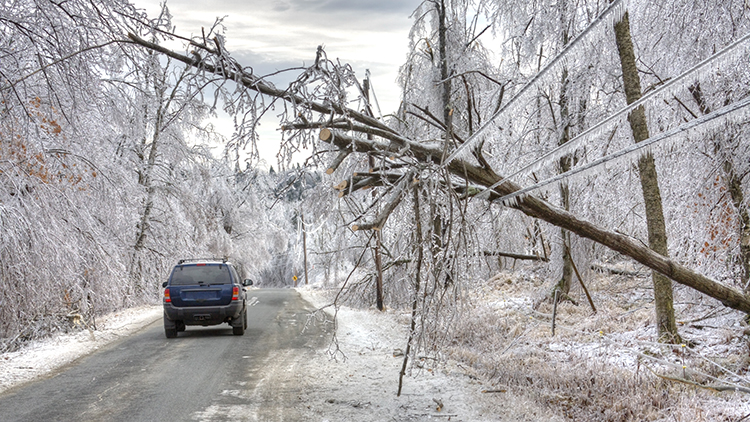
(635,148)
(572,145)
(615,11)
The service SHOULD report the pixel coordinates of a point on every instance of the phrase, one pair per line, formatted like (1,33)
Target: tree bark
(304,244)
(417,285)
(378,233)
(145,180)
(565,164)
(657,232)
(445,81)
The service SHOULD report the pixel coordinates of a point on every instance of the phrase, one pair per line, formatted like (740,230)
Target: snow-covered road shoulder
(362,383)
(41,358)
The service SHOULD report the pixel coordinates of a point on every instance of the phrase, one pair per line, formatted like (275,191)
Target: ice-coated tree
(104,182)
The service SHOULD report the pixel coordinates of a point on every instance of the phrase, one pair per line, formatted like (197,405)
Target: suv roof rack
(182,261)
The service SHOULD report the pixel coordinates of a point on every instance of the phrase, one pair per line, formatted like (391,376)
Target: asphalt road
(206,373)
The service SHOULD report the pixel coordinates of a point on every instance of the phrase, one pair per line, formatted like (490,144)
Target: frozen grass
(604,366)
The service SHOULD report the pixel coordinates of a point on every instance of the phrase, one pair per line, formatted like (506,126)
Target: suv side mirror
(247,282)
(164,284)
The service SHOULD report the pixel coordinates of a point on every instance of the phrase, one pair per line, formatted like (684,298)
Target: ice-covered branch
(256,84)
(390,204)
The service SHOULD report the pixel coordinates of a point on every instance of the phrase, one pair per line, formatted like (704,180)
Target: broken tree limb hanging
(359,181)
(362,183)
(538,208)
(516,256)
(391,204)
(341,186)
(231,70)
(511,255)
(580,280)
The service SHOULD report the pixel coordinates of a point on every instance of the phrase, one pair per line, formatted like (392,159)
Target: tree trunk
(417,285)
(435,214)
(379,277)
(657,232)
(146,181)
(565,163)
(304,245)
(445,82)
(378,233)
(563,285)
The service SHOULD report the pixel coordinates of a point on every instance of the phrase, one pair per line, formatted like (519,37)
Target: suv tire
(170,332)
(238,331)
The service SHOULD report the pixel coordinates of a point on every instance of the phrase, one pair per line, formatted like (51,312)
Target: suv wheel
(238,331)
(170,327)
(170,332)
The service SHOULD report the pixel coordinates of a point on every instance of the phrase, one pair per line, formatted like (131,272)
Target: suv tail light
(235,293)
(167,299)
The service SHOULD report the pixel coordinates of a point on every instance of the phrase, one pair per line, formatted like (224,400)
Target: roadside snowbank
(42,358)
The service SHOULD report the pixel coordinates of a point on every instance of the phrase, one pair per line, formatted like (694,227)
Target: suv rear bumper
(203,315)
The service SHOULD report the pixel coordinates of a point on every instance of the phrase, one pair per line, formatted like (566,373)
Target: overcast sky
(278,34)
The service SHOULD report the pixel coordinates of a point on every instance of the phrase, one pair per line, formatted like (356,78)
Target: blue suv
(204,292)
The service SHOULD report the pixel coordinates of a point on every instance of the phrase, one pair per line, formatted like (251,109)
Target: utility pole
(304,242)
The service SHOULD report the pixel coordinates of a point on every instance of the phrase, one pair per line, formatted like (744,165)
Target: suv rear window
(185,275)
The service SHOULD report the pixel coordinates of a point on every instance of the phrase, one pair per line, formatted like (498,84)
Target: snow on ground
(606,366)
(40,358)
(363,385)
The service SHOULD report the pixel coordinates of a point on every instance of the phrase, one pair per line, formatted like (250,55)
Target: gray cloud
(281,7)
